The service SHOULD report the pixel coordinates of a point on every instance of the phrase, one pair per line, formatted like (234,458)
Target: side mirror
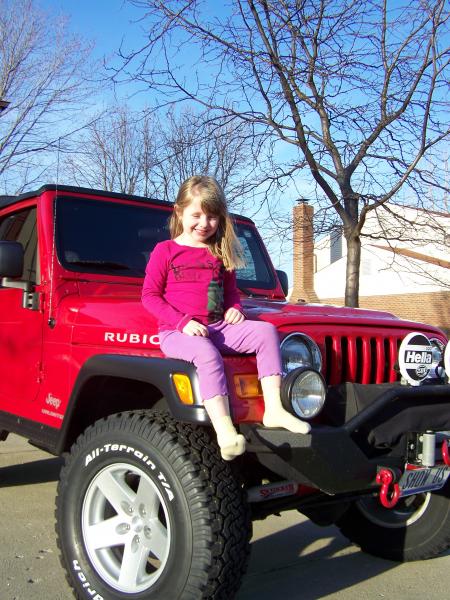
(11,259)
(284,281)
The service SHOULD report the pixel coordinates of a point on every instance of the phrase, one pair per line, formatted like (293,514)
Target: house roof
(437,213)
(416,255)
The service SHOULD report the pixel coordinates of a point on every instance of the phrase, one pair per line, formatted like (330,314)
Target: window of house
(336,245)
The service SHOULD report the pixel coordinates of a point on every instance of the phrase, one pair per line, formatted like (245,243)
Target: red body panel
(20,352)
(81,315)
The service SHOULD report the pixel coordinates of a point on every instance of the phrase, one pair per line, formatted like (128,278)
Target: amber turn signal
(247,386)
(183,386)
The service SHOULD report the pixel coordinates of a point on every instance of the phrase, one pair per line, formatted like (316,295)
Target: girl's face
(198,226)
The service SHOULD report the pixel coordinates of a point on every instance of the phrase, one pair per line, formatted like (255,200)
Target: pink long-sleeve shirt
(183,283)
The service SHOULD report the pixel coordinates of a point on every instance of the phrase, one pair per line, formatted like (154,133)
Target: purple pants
(247,337)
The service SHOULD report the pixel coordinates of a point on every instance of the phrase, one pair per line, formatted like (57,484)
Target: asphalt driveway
(291,558)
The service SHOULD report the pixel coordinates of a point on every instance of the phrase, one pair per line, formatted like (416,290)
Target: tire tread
(217,502)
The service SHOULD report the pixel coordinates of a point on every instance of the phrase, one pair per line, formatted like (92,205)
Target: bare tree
(116,153)
(140,153)
(42,70)
(191,143)
(357,89)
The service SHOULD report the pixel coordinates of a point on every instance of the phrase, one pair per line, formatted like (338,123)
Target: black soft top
(70,189)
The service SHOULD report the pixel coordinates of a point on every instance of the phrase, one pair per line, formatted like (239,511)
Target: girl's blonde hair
(224,244)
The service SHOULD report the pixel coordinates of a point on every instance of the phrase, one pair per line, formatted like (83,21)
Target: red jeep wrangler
(146,508)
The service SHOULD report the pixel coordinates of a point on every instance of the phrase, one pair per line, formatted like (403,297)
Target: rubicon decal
(115,337)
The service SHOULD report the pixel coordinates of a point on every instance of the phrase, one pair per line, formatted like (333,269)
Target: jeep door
(20,328)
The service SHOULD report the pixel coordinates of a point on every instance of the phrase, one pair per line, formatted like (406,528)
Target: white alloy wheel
(404,514)
(126,528)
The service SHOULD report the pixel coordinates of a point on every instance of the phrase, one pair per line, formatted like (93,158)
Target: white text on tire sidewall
(132,452)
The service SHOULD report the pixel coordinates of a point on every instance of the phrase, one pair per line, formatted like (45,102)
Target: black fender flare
(153,370)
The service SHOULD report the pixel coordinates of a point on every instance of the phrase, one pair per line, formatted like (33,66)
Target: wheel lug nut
(127,508)
(122,528)
(135,543)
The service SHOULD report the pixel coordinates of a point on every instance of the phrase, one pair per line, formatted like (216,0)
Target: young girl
(190,286)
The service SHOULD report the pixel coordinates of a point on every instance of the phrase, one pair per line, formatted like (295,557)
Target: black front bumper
(372,434)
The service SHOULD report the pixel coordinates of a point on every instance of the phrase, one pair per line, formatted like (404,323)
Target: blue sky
(103,21)
(108,24)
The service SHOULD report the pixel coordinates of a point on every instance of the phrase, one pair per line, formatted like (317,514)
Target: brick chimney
(303,253)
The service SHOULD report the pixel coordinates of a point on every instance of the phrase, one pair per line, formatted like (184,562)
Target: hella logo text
(424,358)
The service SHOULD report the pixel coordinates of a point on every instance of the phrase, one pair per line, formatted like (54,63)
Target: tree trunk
(352,276)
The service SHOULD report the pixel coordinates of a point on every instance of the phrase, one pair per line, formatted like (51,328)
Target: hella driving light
(303,392)
(421,358)
(437,365)
(299,350)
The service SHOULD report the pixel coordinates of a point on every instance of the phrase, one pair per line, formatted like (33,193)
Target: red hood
(287,314)
(107,316)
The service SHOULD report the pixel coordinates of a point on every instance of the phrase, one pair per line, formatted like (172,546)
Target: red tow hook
(388,498)
(446,453)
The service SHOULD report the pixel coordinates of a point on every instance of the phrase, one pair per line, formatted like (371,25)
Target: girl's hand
(233,316)
(193,327)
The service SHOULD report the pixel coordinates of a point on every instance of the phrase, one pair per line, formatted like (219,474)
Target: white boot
(275,415)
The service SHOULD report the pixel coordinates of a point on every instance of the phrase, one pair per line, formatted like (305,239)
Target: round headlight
(304,392)
(299,350)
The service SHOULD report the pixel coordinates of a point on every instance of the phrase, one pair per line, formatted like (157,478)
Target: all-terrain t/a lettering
(119,448)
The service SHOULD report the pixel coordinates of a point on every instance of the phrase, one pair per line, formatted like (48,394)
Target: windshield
(257,272)
(115,238)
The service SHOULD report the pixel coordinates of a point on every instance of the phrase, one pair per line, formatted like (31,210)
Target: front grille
(360,358)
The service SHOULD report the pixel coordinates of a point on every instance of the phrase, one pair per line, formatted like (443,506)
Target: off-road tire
(417,528)
(149,464)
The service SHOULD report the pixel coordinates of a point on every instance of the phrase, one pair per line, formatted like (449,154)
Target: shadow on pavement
(306,562)
(39,471)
